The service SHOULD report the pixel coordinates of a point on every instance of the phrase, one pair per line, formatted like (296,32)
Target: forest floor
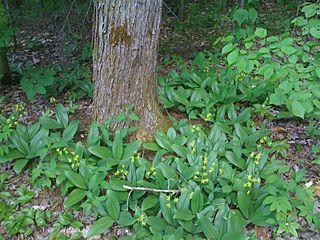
(50,49)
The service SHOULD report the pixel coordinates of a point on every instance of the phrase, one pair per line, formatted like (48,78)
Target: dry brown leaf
(317,191)
(278,129)
(262,233)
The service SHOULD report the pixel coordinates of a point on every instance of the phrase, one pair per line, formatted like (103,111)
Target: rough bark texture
(5,78)
(124,61)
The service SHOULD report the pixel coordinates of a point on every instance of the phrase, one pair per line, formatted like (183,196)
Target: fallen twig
(150,189)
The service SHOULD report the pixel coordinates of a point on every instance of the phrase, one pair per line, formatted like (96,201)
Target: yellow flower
(168,205)
(251,155)
(205,160)
(259,155)
(249,177)
(152,168)
(176,200)
(197,173)
(204,167)
(141,218)
(116,173)
(168,198)
(195,177)
(205,174)
(256,162)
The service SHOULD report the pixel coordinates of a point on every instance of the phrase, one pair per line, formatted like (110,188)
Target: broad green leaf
(49,123)
(70,130)
(126,219)
(233,57)
(298,109)
(197,201)
(149,202)
(165,210)
(315,32)
(101,152)
(227,48)
(244,204)
(100,226)
(163,140)
(19,165)
(167,171)
(113,205)
(253,14)
(183,214)
(76,179)
(117,146)
(240,16)
(209,230)
(152,147)
(131,148)
(260,33)
(74,197)
(62,115)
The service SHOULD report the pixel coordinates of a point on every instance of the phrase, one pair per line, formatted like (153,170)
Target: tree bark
(125,62)
(5,77)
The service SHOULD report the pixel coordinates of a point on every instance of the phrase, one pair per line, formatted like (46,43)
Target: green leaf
(49,123)
(298,109)
(152,147)
(240,16)
(117,146)
(100,226)
(76,179)
(233,57)
(184,214)
(62,115)
(113,205)
(93,135)
(149,202)
(74,197)
(19,165)
(197,201)
(70,131)
(239,162)
(315,32)
(163,140)
(126,219)
(253,14)
(12,155)
(167,171)
(101,152)
(260,33)
(131,148)
(244,204)
(210,231)
(234,236)
(227,48)
(165,211)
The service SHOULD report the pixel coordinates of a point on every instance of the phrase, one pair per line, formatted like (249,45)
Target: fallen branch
(150,189)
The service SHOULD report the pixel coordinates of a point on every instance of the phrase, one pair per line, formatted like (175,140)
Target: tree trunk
(124,62)
(5,78)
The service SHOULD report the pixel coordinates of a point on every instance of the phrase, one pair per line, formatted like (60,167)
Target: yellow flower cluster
(122,173)
(250,181)
(12,122)
(240,76)
(202,176)
(256,157)
(195,128)
(192,145)
(208,117)
(141,220)
(151,172)
(169,198)
(72,158)
(53,100)
(136,156)
(19,107)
